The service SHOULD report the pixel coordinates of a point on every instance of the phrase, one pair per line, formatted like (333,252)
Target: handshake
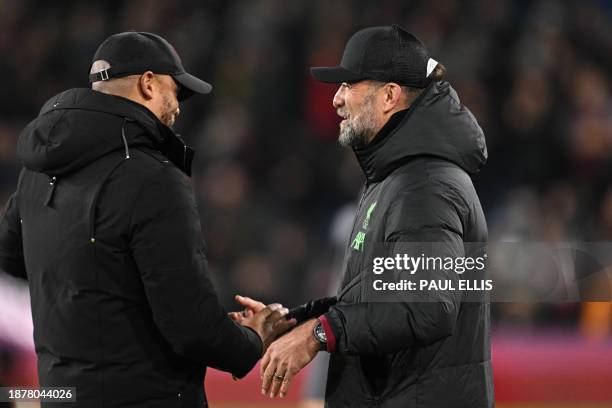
(284,354)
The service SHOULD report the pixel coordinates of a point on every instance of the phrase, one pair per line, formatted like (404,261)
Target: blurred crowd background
(275,189)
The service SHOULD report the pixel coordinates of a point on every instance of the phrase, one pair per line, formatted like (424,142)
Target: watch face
(319,333)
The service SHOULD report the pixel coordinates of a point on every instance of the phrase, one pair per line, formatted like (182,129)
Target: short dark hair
(439,72)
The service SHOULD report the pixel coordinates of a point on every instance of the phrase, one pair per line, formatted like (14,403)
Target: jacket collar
(436,124)
(168,142)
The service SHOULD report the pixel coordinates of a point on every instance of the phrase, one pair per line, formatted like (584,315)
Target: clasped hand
(286,355)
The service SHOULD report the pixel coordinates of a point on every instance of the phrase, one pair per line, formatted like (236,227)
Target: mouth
(344,116)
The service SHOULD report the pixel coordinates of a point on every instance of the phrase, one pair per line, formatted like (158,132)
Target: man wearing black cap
(104,227)
(417,146)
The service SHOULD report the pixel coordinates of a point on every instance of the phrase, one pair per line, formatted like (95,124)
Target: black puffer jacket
(433,354)
(104,226)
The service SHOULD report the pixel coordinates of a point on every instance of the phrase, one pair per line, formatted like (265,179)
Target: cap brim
(190,85)
(335,75)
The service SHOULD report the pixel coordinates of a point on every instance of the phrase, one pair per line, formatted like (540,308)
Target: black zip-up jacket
(433,354)
(104,227)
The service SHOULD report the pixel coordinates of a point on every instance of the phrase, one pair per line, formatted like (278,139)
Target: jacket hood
(78,126)
(436,124)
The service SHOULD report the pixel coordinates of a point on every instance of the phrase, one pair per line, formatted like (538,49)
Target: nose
(338,100)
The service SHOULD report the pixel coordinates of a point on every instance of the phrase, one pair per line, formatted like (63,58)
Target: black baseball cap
(387,54)
(135,52)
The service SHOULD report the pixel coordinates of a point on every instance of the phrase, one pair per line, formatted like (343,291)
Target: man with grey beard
(417,146)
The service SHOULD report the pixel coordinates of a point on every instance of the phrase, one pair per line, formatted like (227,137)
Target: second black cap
(387,54)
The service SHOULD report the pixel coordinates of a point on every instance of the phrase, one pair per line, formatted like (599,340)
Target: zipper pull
(52,183)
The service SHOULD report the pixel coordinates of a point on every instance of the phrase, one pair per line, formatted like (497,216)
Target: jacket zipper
(355,279)
(356,220)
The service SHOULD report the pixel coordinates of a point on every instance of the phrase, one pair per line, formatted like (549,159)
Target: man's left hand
(286,357)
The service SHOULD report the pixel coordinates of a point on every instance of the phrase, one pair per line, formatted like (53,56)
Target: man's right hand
(269,323)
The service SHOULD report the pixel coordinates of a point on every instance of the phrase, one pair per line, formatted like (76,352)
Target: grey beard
(352,137)
(356,134)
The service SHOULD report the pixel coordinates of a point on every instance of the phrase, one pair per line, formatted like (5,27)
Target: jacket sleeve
(431,219)
(311,309)
(167,245)
(11,245)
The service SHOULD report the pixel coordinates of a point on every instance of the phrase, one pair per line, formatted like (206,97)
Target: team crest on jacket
(359,239)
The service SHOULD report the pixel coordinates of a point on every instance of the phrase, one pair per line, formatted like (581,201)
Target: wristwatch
(319,335)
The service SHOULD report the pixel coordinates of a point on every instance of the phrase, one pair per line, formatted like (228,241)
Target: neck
(386,118)
(127,94)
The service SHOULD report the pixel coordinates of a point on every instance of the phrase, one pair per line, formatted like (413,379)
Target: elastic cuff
(255,340)
(329,333)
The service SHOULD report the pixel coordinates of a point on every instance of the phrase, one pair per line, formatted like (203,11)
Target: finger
(249,303)
(275,306)
(269,310)
(277,380)
(287,382)
(277,315)
(268,377)
(235,316)
(264,364)
(246,302)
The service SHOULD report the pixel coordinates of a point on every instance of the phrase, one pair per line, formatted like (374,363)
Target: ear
(392,96)
(146,85)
